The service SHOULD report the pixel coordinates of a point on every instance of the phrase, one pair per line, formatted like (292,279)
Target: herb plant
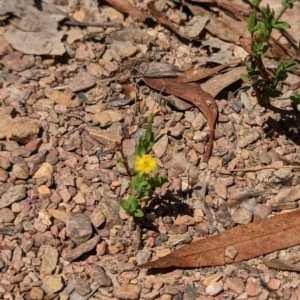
(145,176)
(265,84)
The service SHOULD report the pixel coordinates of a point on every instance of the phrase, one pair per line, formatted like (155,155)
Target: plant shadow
(287,125)
(169,205)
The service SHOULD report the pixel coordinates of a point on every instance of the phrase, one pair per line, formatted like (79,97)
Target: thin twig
(258,168)
(202,203)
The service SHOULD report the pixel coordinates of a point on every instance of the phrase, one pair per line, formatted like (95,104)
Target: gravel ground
(63,234)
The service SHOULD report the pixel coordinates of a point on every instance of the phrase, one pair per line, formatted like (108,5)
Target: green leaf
(272,92)
(266,99)
(262,49)
(125,204)
(138,213)
(132,206)
(289,3)
(157,181)
(267,14)
(281,25)
(139,150)
(150,118)
(254,47)
(296,98)
(245,78)
(251,67)
(256,3)
(283,68)
(290,66)
(140,185)
(146,141)
(252,22)
(264,33)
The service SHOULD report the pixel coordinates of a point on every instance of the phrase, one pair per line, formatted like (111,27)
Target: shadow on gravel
(168,205)
(287,125)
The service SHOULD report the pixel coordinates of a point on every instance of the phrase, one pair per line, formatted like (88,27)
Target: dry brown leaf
(129,91)
(251,240)
(126,7)
(229,29)
(216,84)
(201,73)
(280,265)
(234,8)
(193,93)
(193,29)
(223,26)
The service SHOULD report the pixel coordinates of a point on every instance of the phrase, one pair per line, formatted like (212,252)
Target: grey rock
(14,194)
(236,104)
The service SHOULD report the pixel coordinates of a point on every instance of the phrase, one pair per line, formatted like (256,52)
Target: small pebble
(214,289)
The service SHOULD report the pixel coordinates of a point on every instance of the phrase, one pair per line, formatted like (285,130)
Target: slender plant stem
(281,13)
(124,160)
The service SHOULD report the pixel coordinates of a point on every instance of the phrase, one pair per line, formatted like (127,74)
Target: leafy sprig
(145,176)
(265,84)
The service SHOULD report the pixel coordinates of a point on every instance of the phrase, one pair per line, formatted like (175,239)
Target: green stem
(281,13)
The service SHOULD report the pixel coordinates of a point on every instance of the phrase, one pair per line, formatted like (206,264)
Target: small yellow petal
(145,164)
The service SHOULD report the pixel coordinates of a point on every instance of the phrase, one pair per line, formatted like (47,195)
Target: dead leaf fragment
(249,241)
(281,265)
(224,27)
(219,82)
(126,7)
(193,27)
(193,93)
(201,73)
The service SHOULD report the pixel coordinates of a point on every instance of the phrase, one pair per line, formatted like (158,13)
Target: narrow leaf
(125,204)
(244,77)
(251,240)
(251,21)
(138,213)
(281,25)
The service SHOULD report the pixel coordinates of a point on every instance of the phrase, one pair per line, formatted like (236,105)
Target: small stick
(258,168)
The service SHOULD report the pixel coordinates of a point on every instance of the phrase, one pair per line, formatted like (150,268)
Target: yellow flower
(145,164)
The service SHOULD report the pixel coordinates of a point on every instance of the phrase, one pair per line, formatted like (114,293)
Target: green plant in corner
(145,176)
(265,84)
